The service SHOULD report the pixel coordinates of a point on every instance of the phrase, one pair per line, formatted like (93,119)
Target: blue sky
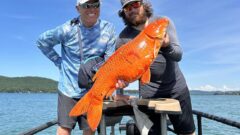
(208,30)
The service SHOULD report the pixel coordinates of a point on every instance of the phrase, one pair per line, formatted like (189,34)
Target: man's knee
(63,131)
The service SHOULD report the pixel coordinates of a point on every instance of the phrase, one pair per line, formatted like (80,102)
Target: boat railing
(223,120)
(39,128)
(198,114)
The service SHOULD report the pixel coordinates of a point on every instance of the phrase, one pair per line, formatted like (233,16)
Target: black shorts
(183,123)
(65,104)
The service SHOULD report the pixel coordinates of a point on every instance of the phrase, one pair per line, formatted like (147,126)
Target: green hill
(27,84)
(200,92)
(40,84)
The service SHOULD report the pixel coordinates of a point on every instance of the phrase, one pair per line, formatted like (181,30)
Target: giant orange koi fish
(129,63)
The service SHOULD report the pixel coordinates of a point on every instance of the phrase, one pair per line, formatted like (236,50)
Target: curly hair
(148,11)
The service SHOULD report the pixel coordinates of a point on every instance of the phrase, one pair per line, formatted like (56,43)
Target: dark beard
(137,20)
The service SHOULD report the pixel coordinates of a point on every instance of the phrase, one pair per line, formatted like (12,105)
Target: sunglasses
(132,5)
(90,5)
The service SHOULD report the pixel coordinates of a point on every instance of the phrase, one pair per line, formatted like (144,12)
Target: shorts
(65,104)
(183,123)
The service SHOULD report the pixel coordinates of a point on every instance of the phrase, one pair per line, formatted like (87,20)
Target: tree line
(27,84)
(40,84)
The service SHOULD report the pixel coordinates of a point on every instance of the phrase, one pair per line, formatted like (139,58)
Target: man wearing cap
(167,80)
(82,38)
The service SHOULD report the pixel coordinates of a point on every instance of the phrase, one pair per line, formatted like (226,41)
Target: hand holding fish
(166,41)
(120,97)
(121,84)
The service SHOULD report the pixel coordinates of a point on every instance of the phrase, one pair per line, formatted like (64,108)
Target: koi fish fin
(145,77)
(82,105)
(94,114)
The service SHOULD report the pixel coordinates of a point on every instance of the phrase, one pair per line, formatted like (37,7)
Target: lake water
(20,112)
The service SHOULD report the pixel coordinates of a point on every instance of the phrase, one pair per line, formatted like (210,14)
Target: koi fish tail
(94,114)
(92,106)
(82,105)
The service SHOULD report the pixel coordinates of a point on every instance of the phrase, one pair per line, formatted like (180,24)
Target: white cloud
(209,87)
(215,44)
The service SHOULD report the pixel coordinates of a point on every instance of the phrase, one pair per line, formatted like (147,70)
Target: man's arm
(172,49)
(111,42)
(47,41)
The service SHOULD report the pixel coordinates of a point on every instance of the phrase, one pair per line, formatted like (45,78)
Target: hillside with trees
(40,84)
(27,84)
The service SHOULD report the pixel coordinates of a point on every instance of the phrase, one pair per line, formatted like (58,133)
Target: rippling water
(20,112)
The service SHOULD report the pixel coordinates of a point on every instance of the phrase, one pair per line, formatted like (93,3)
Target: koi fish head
(157,29)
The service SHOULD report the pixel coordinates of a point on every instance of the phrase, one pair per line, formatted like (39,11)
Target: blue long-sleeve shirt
(99,40)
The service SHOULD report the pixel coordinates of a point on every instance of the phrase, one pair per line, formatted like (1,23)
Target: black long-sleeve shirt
(166,76)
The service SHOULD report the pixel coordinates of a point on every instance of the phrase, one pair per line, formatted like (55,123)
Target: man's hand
(120,97)
(166,41)
(121,84)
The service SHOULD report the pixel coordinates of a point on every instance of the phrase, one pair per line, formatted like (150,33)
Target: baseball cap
(125,2)
(80,2)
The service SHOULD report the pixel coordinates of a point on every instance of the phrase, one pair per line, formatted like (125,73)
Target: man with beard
(167,80)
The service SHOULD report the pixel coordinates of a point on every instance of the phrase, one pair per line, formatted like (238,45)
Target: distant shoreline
(199,92)
(44,85)
(192,92)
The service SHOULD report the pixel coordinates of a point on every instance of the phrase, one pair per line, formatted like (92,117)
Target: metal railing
(39,128)
(215,118)
(199,115)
